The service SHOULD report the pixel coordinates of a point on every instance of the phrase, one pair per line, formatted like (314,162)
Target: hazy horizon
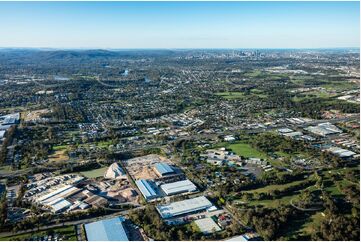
(180,25)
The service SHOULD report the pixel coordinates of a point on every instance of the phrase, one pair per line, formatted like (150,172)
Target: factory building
(163,169)
(184,207)
(56,199)
(324,129)
(107,230)
(59,205)
(343,153)
(147,189)
(178,187)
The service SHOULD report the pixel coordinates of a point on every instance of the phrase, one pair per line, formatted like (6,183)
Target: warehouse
(147,189)
(178,187)
(163,169)
(59,205)
(341,152)
(324,129)
(54,194)
(184,207)
(107,230)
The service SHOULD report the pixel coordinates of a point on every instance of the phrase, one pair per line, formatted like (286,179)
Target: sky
(127,25)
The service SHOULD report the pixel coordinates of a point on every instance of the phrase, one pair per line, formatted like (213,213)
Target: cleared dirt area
(34,115)
(142,167)
(58,156)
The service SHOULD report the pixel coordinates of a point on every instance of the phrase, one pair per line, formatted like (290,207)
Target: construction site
(143,167)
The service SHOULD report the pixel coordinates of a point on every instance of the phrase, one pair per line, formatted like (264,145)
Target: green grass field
(231,95)
(6,168)
(94,173)
(304,226)
(258,93)
(69,232)
(104,144)
(273,203)
(246,150)
(241,95)
(275,187)
(59,147)
(340,85)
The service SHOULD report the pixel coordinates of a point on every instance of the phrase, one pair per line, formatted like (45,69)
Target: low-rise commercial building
(178,187)
(184,207)
(163,169)
(107,230)
(147,189)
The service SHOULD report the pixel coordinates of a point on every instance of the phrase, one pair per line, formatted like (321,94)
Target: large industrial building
(324,129)
(163,169)
(56,199)
(178,187)
(343,153)
(107,230)
(147,189)
(184,207)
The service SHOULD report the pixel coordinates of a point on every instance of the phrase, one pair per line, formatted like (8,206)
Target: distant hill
(35,55)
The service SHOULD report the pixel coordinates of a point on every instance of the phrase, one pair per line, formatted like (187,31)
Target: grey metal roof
(163,168)
(178,187)
(183,207)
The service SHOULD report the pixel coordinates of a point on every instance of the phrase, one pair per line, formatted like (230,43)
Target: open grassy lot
(59,156)
(246,150)
(312,95)
(258,93)
(69,232)
(5,168)
(94,173)
(60,147)
(313,222)
(275,187)
(231,95)
(340,85)
(241,95)
(104,144)
(273,203)
(304,226)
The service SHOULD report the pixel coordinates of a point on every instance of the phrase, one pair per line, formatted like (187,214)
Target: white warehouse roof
(183,207)
(178,187)
(59,205)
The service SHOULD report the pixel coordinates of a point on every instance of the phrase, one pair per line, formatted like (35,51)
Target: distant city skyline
(179,25)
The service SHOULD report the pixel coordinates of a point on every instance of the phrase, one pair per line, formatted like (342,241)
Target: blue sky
(179,24)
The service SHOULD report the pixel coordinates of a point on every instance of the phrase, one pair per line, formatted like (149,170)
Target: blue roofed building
(163,169)
(107,230)
(147,189)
